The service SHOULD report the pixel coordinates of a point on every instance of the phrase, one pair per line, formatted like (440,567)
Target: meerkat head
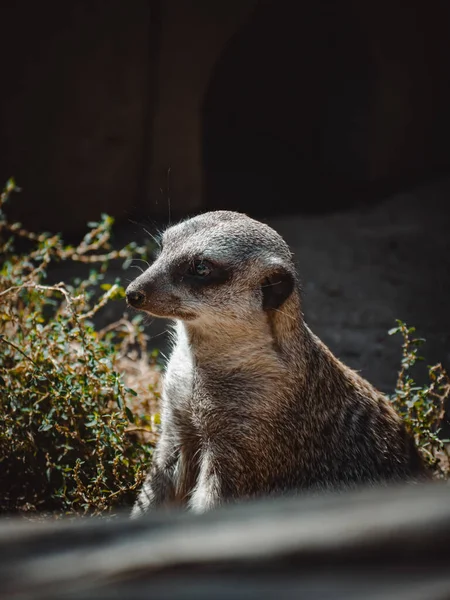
(216,267)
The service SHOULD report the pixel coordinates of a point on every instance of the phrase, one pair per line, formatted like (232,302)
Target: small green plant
(423,407)
(74,437)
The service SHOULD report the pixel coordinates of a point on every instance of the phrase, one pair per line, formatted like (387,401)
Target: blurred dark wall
(317,105)
(74,107)
(265,106)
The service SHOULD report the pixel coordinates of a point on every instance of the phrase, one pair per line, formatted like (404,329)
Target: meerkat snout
(134,298)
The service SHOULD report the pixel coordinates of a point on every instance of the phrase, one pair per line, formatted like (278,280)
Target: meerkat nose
(134,298)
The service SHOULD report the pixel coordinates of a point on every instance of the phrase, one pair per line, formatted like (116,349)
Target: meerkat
(253,403)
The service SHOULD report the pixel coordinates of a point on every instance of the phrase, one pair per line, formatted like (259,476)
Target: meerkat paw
(203,500)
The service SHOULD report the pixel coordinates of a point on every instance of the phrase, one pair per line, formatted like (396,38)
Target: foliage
(423,407)
(70,428)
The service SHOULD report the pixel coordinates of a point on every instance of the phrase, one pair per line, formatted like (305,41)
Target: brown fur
(254,403)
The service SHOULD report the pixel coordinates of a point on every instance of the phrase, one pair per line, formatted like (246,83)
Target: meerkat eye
(200,273)
(201,268)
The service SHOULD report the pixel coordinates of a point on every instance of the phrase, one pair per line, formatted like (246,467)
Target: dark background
(331,120)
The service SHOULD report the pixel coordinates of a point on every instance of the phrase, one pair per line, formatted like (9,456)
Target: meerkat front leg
(208,491)
(159,486)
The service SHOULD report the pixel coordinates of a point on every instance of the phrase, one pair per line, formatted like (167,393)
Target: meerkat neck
(228,346)
(273,338)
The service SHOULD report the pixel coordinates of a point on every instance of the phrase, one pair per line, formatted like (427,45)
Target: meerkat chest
(225,402)
(178,380)
(208,394)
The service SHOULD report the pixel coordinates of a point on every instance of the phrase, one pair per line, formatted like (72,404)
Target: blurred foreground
(377,544)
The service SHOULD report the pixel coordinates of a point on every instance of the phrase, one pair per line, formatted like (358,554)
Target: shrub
(78,406)
(73,436)
(423,407)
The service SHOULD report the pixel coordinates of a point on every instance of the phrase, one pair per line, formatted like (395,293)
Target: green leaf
(45,427)
(129,414)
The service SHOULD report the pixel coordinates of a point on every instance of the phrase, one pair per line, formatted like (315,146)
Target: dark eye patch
(200,273)
(200,268)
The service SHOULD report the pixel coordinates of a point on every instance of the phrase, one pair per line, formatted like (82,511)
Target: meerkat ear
(276,288)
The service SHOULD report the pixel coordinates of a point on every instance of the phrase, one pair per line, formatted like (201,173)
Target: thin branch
(3,339)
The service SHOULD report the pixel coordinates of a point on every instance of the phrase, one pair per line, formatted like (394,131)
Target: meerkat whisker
(136,267)
(159,334)
(144,261)
(154,238)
